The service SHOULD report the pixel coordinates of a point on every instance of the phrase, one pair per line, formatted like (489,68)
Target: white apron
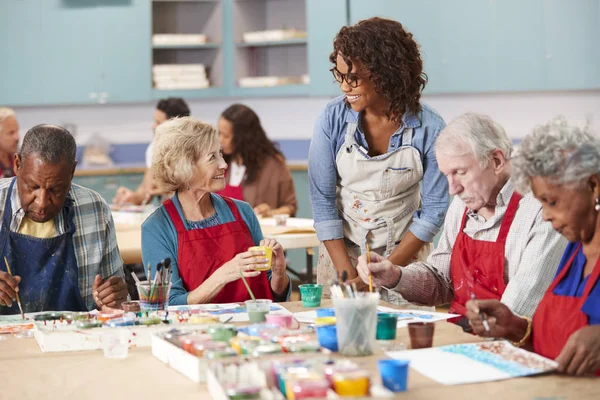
(376,197)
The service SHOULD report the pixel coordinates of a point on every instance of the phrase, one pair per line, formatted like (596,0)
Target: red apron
(477,266)
(235,192)
(202,251)
(557,317)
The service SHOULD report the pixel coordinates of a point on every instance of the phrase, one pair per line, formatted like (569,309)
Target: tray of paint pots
(65,331)
(191,352)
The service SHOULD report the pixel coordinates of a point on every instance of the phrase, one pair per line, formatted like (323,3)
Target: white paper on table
(231,312)
(404,316)
(470,363)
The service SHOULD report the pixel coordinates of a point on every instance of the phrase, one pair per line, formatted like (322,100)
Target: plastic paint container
(200,348)
(311,295)
(89,324)
(386,326)
(394,374)
(327,335)
(310,388)
(131,306)
(326,312)
(117,322)
(50,316)
(222,333)
(148,321)
(351,383)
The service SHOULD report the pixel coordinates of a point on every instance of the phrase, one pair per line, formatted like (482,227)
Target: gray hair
(5,113)
(50,143)
(476,132)
(562,153)
(179,144)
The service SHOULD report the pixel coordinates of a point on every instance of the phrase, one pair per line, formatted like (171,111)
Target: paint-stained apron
(376,197)
(558,317)
(47,267)
(201,252)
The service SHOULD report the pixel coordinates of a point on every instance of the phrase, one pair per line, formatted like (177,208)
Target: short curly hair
(179,144)
(392,57)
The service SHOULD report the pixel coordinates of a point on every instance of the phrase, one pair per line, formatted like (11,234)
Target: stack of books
(179,76)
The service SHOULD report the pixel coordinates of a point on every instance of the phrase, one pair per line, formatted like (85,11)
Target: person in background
(58,237)
(9,141)
(495,243)
(256,169)
(166,109)
(373,175)
(561,166)
(205,235)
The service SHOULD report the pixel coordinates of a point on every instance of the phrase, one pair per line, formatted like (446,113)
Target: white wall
(293,118)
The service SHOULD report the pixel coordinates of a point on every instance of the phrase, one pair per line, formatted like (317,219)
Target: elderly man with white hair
(9,141)
(495,244)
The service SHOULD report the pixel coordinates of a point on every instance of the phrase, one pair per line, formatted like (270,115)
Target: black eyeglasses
(350,78)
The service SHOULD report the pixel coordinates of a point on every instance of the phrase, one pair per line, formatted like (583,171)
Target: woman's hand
(263,210)
(501,321)
(243,264)
(581,354)
(279,279)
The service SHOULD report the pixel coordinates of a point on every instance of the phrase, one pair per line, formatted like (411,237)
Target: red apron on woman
(477,266)
(558,317)
(235,192)
(202,251)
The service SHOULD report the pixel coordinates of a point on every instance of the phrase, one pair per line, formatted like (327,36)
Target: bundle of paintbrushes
(154,293)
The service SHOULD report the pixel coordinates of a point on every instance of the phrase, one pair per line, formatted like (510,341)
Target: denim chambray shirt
(328,138)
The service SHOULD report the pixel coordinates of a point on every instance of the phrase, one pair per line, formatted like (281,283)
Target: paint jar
(117,322)
(310,388)
(258,309)
(326,312)
(311,295)
(49,316)
(222,333)
(386,326)
(131,306)
(153,297)
(327,335)
(285,321)
(244,393)
(351,383)
(356,320)
(187,342)
(88,324)
(268,255)
(105,316)
(200,348)
(394,374)
(281,219)
(421,334)
(115,343)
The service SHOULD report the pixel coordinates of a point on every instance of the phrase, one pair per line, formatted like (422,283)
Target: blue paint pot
(327,335)
(394,374)
(326,312)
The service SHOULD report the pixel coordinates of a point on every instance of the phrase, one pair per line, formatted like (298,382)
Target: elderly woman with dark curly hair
(373,174)
(561,166)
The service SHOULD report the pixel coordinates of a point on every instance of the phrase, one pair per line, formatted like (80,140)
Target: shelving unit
(187,17)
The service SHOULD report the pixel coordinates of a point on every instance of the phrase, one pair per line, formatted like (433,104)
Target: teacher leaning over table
(206,236)
(561,166)
(57,237)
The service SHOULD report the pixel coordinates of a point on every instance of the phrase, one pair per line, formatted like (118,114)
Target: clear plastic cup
(153,297)
(258,309)
(356,320)
(115,343)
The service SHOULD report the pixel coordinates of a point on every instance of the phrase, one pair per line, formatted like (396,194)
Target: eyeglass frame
(352,82)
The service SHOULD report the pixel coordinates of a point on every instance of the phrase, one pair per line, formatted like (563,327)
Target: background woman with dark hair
(256,169)
(372,169)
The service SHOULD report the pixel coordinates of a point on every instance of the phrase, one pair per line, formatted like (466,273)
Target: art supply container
(268,255)
(393,374)
(311,295)
(351,383)
(310,389)
(153,297)
(286,321)
(386,326)
(326,312)
(222,333)
(131,306)
(280,219)
(327,335)
(244,393)
(118,322)
(421,334)
(356,320)
(201,348)
(105,316)
(258,309)
(50,316)
(115,343)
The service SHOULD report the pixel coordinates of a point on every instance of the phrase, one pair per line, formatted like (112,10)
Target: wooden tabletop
(26,373)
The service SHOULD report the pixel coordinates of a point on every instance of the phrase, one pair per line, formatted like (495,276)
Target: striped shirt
(533,251)
(94,240)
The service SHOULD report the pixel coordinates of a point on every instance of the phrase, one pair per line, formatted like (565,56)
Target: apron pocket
(397,180)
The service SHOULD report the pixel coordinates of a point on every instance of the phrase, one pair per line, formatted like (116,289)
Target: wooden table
(26,373)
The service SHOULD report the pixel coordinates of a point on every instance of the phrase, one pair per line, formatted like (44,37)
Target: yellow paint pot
(351,383)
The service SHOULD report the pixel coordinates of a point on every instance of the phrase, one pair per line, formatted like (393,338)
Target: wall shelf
(207,46)
(287,42)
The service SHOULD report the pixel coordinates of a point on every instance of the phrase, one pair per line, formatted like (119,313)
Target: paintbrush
(486,325)
(370,276)
(17,293)
(248,287)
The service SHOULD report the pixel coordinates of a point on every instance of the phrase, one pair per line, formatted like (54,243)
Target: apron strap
(593,278)
(509,216)
(234,210)
(175,217)
(349,140)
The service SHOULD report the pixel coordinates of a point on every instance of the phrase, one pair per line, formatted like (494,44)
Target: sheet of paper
(475,362)
(404,316)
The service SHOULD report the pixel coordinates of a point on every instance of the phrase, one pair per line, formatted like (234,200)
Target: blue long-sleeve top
(159,238)
(573,284)
(329,137)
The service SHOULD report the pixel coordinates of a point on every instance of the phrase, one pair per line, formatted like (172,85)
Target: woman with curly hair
(373,175)
(256,169)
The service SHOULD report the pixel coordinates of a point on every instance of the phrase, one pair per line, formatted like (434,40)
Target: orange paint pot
(105,316)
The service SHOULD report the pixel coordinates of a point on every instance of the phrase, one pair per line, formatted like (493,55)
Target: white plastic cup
(115,343)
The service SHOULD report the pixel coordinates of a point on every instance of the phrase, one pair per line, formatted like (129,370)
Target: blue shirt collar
(409,120)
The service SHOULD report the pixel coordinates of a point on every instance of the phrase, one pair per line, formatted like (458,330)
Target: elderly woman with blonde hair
(206,236)
(561,165)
